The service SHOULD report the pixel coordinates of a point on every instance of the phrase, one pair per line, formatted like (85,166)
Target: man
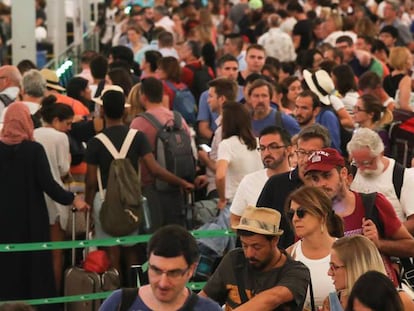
(371,83)
(326,169)
(54,88)
(366,43)
(275,147)
(190,54)
(255,60)
(334,54)
(259,276)
(376,174)
(173,256)
(309,110)
(33,91)
(86,58)
(166,44)
(276,42)
(99,68)
(113,101)
(162,19)
(233,45)
(388,35)
(167,205)
(149,64)
(10,79)
(359,60)
(302,31)
(220,90)
(391,17)
(260,95)
(278,187)
(227,67)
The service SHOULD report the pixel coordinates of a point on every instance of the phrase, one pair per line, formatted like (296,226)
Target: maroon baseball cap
(324,160)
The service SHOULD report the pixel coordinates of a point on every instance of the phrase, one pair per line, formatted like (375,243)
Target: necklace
(277,261)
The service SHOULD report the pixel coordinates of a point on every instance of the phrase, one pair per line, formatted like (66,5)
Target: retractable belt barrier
(38,246)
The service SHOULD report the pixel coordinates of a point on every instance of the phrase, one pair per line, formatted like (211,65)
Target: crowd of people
(287,107)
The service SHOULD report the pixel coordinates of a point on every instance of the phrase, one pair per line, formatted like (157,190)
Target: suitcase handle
(74,211)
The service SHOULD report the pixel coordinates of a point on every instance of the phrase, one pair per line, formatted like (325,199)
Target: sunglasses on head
(300,212)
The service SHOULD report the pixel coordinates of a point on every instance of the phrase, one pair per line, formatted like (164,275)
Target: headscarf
(18,124)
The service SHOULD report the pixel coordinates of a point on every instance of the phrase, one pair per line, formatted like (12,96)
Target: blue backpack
(184,102)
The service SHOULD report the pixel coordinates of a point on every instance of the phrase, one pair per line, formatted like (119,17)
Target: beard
(367,173)
(272,164)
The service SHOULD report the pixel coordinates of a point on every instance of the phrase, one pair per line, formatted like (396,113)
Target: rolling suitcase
(78,281)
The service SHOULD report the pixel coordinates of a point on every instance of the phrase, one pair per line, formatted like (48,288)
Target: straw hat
(321,84)
(260,220)
(52,80)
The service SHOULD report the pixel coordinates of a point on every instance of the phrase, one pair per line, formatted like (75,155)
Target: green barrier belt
(25,247)
(195,286)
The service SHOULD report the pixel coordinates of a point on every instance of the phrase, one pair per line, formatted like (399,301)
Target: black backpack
(172,149)
(200,81)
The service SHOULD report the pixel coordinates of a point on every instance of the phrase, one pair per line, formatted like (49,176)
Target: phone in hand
(205,147)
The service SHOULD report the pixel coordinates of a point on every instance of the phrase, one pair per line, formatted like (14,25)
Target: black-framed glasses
(333,267)
(300,212)
(172,274)
(303,153)
(271,147)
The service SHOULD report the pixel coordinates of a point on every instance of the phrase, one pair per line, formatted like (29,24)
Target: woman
(398,83)
(78,88)
(291,87)
(24,176)
(119,76)
(57,120)
(134,35)
(169,72)
(343,78)
(345,269)
(374,291)
(237,155)
(317,226)
(369,112)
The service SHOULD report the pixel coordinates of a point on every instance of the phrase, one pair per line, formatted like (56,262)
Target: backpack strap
(171,85)
(6,99)
(177,120)
(151,119)
(371,211)
(278,119)
(128,297)
(115,154)
(191,302)
(398,178)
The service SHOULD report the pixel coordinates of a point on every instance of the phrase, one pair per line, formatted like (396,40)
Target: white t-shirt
(383,184)
(321,282)
(241,162)
(56,145)
(248,191)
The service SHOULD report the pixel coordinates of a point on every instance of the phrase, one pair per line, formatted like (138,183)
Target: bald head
(9,76)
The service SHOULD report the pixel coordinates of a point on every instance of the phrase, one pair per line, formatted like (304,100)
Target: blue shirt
(289,123)
(204,110)
(112,303)
(328,119)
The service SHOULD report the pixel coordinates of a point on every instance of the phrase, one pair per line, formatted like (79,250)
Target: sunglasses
(300,212)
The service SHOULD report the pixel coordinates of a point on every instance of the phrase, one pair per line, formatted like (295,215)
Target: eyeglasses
(365,163)
(300,212)
(333,267)
(172,274)
(359,109)
(271,147)
(303,153)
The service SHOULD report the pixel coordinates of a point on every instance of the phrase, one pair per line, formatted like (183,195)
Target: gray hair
(366,138)
(316,131)
(33,83)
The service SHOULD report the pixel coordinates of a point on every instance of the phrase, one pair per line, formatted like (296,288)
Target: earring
(322,229)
